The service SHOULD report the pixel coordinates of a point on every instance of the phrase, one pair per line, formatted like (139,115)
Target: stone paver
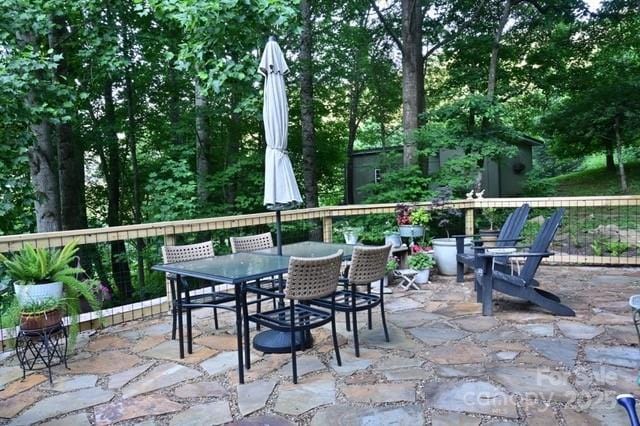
(169,350)
(471,397)
(456,353)
(413,318)
(61,404)
(69,383)
(538,330)
(477,324)
(342,415)
(560,350)
(269,420)
(383,392)
(438,333)
(401,304)
(576,330)
(454,419)
(118,380)
(253,396)
(215,413)
(201,390)
(540,383)
(105,363)
(127,409)
(220,363)
(80,419)
(501,335)
(397,339)
(350,363)
(622,356)
(11,406)
(224,342)
(306,364)
(306,395)
(162,376)
(22,385)
(9,374)
(107,343)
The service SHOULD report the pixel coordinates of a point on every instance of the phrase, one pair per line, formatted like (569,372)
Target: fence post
(169,240)
(327,229)
(468,221)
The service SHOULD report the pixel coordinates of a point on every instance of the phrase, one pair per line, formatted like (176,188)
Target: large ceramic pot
(444,252)
(413,231)
(34,293)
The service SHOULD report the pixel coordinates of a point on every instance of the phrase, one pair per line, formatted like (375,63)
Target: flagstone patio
(446,364)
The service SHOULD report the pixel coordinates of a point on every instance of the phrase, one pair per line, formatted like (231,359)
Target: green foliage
(421,261)
(392,265)
(597,246)
(40,306)
(616,248)
(406,184)
(491,215)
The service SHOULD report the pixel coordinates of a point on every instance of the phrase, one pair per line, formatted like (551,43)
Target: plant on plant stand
(351,233)
(412,220)
(43,277)
(489,236)
(392,265)
(444,249)
(421,262)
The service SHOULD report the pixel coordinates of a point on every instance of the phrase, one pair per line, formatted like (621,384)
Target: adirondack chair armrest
(517,254)
(479,249)
(504,240)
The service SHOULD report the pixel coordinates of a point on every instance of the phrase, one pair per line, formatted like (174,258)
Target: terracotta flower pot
(40,320)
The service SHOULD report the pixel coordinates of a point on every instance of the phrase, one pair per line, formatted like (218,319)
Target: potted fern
(45,281)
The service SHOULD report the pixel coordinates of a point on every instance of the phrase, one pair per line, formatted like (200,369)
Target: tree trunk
(132,142)
(119,260)
(412,77)
(202,145)
(42,160)
(623,178)
(306,106)
(611,166)
(495,48)
(354,102)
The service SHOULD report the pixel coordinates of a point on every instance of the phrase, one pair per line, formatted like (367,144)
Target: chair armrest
(501,247)
(465,236)
(521,254)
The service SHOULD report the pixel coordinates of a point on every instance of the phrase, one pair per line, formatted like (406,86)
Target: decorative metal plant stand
(47,346)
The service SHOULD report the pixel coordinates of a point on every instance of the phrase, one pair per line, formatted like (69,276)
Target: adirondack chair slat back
(512,227)
(541,244)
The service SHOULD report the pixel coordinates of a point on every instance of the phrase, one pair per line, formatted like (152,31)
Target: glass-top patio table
(237,269)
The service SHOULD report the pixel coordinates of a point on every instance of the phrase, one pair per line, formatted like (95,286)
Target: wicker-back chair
(184,253)
(309,278)
(251,242)
(367,267)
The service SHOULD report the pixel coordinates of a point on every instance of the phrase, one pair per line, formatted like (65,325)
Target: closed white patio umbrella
(280,188)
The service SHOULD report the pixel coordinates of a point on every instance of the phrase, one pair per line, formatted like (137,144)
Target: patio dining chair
(183,253)
(509,235)
(368,266)
(269,287)
(523,286)
(309,279)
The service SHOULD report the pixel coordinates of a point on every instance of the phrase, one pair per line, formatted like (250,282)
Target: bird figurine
(480,195)
(628,401)
(470,194)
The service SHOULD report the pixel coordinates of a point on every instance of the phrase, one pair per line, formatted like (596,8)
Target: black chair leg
(369,321)
(459,272)
(356,343)
(215,318)
(384,318)
(294,365)
(334,334)
(174,315)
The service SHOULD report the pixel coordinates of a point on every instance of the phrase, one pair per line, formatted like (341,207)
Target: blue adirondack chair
(509,236)
(523,286)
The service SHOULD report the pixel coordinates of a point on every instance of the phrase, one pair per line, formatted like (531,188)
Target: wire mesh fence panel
(594,230)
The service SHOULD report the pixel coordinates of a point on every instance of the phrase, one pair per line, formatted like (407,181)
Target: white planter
(411,231)
(422,277)
(351,237)
(34,293)
(393,239)
(444,252)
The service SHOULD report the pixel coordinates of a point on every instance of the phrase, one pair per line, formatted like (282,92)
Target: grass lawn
(596,181)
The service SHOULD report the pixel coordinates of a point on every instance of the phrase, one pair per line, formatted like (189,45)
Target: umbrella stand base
(279,342)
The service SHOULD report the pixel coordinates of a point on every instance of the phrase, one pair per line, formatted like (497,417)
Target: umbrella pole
(279,232)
